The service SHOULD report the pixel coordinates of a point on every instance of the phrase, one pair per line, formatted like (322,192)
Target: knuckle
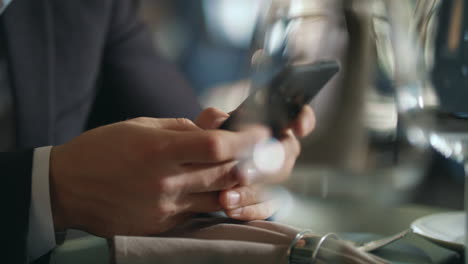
(215,147)
(164,185)
(229,177)
(165,209)
(140,120)
(223,178)
(243,177)
(185,122)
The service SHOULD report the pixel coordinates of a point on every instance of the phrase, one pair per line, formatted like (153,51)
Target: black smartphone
(280,95)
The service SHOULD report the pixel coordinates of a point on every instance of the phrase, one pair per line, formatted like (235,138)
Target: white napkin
(215,240)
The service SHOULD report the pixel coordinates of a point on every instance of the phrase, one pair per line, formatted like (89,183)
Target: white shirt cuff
(41,235)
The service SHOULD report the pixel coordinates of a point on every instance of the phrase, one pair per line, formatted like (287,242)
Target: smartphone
(277,100)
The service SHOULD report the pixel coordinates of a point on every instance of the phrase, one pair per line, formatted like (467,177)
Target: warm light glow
(269,157)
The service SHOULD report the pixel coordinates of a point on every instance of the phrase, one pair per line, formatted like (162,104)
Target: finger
(178,124)
(304,124)
(244,196)
(211,118)
(215,146)
(206,178)
(259,211)
(292,148)
(201,203)
(271,163)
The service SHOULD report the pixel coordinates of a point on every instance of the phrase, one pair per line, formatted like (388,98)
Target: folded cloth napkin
(220,240)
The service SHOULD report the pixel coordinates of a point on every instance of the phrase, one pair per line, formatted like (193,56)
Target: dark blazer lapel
(29,42)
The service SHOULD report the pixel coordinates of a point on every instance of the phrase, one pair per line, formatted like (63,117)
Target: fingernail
(233,198)
(235,213)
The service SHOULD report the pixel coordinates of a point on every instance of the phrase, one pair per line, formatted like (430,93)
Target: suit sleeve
(15,201)
(135,81)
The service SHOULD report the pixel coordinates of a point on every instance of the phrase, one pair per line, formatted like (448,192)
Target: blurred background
(208,39)
(211,41)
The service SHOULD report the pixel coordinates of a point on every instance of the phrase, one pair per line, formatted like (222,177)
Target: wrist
(56,198)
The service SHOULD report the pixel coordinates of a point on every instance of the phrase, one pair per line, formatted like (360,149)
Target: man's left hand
(252,199)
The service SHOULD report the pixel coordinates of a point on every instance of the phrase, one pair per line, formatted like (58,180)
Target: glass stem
(465,164)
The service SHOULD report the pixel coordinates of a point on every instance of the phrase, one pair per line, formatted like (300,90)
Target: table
(352,221)
(361,222)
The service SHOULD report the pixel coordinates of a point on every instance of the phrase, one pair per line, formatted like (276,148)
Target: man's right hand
(143,176)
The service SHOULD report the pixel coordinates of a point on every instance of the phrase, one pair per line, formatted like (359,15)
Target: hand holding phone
(278,100)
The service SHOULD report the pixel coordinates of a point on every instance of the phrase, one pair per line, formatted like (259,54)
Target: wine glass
(429,54)
(355,161)
(399,91)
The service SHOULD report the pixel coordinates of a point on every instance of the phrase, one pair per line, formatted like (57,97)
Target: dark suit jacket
(75,64)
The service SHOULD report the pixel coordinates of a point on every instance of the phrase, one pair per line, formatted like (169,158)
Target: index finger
(304,124)
(211,118)
(214,146)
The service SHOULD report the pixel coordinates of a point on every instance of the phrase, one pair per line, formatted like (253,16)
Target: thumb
(211,118)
